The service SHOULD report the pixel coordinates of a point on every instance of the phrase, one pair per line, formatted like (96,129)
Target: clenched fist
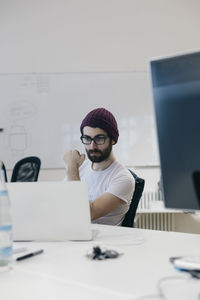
(73,160)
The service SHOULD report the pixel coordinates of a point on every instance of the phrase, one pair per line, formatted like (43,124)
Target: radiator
(155,221)
(148,197)
(146,219)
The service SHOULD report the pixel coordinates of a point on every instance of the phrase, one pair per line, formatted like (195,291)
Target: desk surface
(64,272)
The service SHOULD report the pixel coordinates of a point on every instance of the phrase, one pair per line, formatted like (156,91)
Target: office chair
(26,169)
(130,215)
(2,166)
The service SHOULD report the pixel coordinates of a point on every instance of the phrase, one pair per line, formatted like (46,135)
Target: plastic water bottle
(5,226)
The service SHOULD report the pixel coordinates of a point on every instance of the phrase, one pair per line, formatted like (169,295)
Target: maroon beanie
(102,118)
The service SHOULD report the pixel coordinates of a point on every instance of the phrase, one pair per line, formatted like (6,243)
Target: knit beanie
(101,118)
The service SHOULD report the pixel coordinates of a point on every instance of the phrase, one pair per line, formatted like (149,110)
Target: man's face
(99,151)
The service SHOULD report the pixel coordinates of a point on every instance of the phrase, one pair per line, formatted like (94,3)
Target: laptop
(50,211)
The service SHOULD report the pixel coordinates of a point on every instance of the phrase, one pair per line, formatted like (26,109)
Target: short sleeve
(122,187)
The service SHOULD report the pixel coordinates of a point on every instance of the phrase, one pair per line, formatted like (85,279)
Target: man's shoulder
(121,180)
(116,165)
(120,171)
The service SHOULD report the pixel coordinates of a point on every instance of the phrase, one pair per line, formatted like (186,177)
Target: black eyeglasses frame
(95,139)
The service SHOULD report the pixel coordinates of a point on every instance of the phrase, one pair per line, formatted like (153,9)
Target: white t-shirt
(117,180)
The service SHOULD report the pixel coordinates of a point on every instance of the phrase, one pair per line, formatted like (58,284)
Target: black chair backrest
(4,169)
(130,215)
(26,169)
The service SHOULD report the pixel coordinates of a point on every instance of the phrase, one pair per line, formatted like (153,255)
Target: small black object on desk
(98,254)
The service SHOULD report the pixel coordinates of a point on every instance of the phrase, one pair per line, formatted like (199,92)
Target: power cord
(161,295)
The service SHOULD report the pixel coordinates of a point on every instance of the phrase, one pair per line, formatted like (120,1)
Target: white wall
(94,35)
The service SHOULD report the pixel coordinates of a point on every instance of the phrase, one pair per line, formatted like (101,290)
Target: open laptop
(50,211)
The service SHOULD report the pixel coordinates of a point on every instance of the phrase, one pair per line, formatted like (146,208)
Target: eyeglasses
(98,139)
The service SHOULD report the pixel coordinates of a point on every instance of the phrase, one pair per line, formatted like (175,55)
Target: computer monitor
(176,96)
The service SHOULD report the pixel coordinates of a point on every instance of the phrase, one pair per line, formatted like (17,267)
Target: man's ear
(113,142)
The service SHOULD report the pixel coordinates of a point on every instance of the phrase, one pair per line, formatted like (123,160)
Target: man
(110,184)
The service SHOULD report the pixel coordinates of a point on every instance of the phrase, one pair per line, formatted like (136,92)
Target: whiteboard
(41,113)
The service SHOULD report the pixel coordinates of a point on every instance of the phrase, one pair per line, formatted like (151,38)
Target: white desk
(64,272)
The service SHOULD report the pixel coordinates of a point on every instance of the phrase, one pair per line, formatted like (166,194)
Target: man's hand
(73,160)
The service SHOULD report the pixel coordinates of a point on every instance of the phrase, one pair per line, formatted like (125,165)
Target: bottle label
(5,245)
(3,193)
(5,252)
(5,236)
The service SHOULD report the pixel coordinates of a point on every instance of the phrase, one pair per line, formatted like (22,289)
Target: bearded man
(110,184)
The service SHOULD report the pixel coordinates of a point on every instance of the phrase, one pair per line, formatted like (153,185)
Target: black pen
(30,254)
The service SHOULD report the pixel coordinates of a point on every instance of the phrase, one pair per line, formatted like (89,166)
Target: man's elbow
(92,212)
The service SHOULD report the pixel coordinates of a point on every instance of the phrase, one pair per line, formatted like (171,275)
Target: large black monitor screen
(176,94)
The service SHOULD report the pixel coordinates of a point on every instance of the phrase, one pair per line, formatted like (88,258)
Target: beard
(103,154)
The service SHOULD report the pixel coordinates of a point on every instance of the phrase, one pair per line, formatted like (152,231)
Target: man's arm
(103,205)
(73,160)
